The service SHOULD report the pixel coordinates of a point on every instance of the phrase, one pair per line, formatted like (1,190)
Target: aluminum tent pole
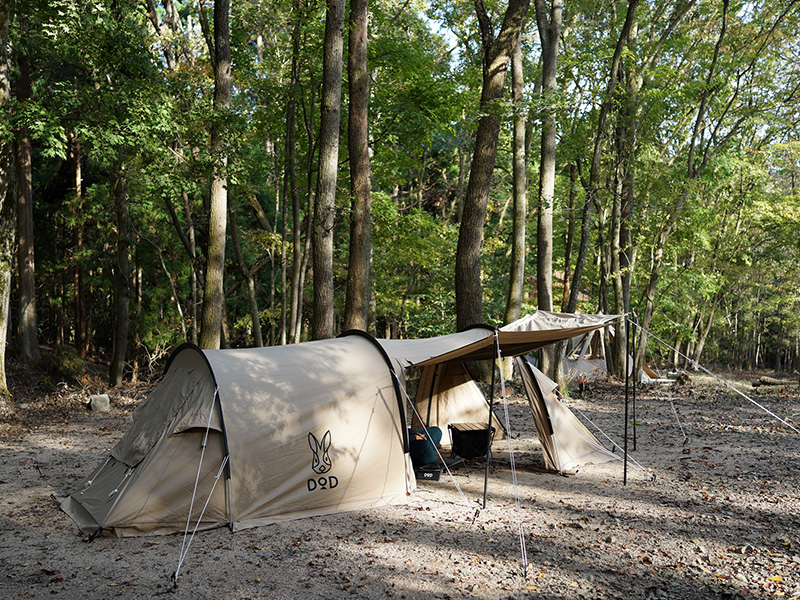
(625,429)
(634,374)
(491,412)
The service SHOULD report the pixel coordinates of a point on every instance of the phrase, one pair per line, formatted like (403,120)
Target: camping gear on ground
(470,440)
(423,444)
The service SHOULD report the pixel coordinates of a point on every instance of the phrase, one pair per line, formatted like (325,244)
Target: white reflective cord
(185,551)
(184,546)
(520,526)
(90,481)
(675,412)
(605,435)
(722,381)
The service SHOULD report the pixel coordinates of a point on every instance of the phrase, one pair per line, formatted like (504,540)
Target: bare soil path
(715,514)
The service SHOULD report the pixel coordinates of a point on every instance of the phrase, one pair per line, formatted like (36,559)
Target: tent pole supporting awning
(625,412)
(489,424)
(634,373)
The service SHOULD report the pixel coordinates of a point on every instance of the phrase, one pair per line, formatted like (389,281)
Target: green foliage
(102,86)
(413,262)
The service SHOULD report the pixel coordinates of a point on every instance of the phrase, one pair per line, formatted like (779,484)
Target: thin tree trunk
(623,206)
(693,171)
(122,275)
(7,201)
(296,298)
(357,298)
(322,228)
(550,35)
(82,341)
(194,274)
(291,176)
(258,340)
(569,237)
(213,296)
(520,191)
(592,184)
(701,342)
(27,339)
(615,271)
(496,57)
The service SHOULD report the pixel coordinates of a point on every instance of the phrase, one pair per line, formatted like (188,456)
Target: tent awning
(525,335)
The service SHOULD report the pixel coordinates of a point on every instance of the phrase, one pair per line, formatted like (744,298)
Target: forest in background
(270,172)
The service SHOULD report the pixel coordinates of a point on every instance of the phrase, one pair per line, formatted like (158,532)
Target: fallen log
(764,380)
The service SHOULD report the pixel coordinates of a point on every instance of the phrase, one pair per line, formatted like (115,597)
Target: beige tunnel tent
(241,438)
(293,431)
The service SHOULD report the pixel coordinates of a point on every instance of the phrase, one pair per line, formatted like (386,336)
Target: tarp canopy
(530,333)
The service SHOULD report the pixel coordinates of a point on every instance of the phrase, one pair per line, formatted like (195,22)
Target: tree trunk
(583,252)
(78,292)
(7,201)
(496,57)
(356,303)
(569,237)
(518,240)
(693,171)
(323,224)
(623,206)
(701,342)
(27,338)
(290,172)
(122,276)
(258,340)
(213,296)
(550,35)
(592,183)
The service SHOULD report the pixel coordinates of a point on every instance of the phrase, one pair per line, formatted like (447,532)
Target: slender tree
(520,191)
(27,335)
(122,278)
(549,24)
(496,58)
(213,296)
(324,208)
(356,302)
(7,200)
(290,174)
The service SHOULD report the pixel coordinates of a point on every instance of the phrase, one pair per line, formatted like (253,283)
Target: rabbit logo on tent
(321,463)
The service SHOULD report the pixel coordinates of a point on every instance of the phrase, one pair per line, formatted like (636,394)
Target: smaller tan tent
(585,357)
(566,442)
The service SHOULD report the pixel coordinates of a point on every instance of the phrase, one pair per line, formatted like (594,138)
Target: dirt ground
(713,511)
